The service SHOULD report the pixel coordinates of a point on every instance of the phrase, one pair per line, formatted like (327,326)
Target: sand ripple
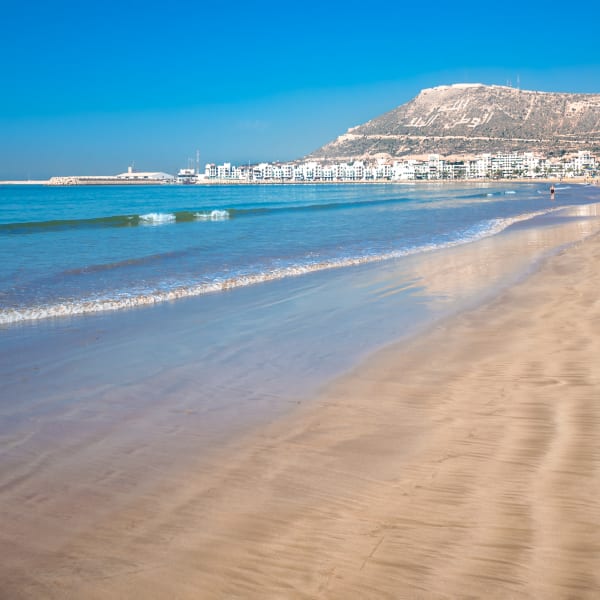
(465,465)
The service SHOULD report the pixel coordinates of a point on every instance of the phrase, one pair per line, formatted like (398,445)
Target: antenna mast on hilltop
(518,82)
(197,162)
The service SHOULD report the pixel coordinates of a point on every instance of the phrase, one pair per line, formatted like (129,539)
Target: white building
(507,165)
(146,176)
(404,170)
(531,164)
(435,167)
(224,171)
(187,176)
(480,167)
(584,162)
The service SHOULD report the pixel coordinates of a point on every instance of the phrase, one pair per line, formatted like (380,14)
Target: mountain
(466,119)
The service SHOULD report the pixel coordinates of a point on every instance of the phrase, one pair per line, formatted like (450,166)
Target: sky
(92,87)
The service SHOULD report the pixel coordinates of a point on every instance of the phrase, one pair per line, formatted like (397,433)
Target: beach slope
(465,463)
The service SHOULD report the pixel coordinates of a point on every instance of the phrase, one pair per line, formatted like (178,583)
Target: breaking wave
(157,219)
(125,300)
(209,214)
(213,215)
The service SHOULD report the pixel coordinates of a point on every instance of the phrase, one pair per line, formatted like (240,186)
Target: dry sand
(464,464)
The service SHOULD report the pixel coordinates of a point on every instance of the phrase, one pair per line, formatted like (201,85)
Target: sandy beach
(463,464)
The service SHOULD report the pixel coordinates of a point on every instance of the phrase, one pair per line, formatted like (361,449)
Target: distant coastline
(270,182)
(582,166)
(443,182)
(25,182)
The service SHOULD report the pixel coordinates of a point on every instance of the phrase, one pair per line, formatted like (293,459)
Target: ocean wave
(120,264)
(151,218)
(183,216)
(157,218)
(213,215)
(126,300)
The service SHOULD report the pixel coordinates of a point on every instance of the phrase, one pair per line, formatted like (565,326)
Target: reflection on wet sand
(465,463)
(470,270)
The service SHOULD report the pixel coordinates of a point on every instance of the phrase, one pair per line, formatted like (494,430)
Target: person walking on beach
(552,190)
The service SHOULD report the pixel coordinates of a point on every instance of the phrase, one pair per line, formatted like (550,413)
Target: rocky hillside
(464,119)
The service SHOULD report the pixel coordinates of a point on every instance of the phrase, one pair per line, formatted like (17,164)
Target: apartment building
(434,168)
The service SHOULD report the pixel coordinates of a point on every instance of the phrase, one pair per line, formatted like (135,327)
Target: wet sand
(465,463)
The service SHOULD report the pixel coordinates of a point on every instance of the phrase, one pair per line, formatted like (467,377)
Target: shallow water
(232,360)
(112,424)
(80,250)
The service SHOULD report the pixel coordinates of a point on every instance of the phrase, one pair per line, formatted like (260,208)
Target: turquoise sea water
(79,250)
(140,318)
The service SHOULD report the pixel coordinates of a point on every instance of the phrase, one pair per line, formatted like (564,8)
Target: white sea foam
(157,218)
(510,192)
(91,306)
(214,215)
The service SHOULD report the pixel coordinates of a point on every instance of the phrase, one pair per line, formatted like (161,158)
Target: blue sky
(87,88)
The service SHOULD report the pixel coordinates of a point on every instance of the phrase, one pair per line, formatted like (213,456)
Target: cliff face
(472,119)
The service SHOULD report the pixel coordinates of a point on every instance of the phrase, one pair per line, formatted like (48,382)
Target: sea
(237,302)
(70,251)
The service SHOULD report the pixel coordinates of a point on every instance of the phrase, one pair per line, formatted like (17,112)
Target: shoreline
(225,182)
(83,308)
(450,182)
(462,462)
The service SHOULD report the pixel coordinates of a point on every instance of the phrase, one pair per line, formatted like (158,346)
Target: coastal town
(527,165)
(500,166)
